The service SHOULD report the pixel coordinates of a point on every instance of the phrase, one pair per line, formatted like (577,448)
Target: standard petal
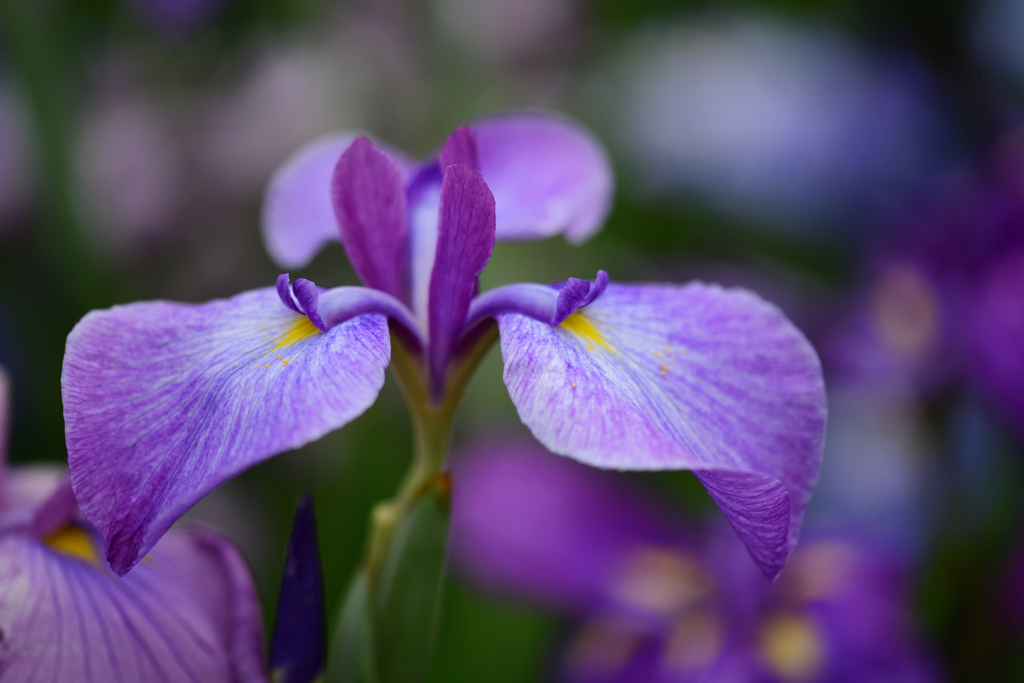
(298,218)
(464,245)
(368,194)
(548,174)
(164,401)
(188,614)
(692,377)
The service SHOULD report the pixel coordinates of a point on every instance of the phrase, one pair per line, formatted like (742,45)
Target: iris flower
(188,613)
(655,601)
(164,401)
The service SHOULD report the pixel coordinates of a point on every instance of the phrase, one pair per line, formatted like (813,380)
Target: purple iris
(188,613)
(947,293)
(654,602)
(164,401)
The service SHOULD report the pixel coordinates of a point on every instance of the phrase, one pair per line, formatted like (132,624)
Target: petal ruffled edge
(165,401)
(694,377)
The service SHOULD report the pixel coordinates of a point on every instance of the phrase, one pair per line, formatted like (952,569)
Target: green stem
(432,423)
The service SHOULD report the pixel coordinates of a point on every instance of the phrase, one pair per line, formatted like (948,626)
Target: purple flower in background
(653,603)
(948,293)
(769,121)
(188,613)
(164,401)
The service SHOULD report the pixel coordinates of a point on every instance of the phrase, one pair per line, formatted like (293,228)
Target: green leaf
(408,590)
(352,657)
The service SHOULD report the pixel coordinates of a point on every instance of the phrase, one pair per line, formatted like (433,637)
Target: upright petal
(460,148)
(188,615)
(298,218)
(164,401)
(681,377)
(464,245)
(368,193)
(548,174)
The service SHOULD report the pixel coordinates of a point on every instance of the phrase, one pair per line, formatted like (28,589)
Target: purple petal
(424,200)
(460,148)
(164,401)
(188,614)
(297,651)
(464,245)
(549,175)
(56,511)
(994,331)
(692,377)
(546,528)
(576,294)
(368,193)
(298,218)
(308,298)
(545,304)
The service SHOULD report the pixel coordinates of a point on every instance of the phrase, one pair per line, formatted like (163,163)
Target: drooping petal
(527,522)
(188,614)
(548,174)
(368,194)
(298,218)
(464,245)
(164,401)
(297,650)
(692,377)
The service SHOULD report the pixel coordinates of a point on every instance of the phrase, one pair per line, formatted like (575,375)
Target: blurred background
(858,163)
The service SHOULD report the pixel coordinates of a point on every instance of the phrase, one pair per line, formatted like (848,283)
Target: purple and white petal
(424,202)
(697,377)
(548,174)
(298,218)
(368,194)
(464,245)
(188,614)
(164,401)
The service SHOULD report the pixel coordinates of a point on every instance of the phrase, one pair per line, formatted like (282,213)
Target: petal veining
(164,401)
(188,615)
(681,377)
(368,193)
(464,245)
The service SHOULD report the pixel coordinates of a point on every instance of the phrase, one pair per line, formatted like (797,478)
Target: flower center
(581,326)
(75,542)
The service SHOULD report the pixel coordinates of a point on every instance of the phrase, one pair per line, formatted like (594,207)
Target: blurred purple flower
(189,613)
(165,401)
(949,285)
(767,120)
(654,603)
